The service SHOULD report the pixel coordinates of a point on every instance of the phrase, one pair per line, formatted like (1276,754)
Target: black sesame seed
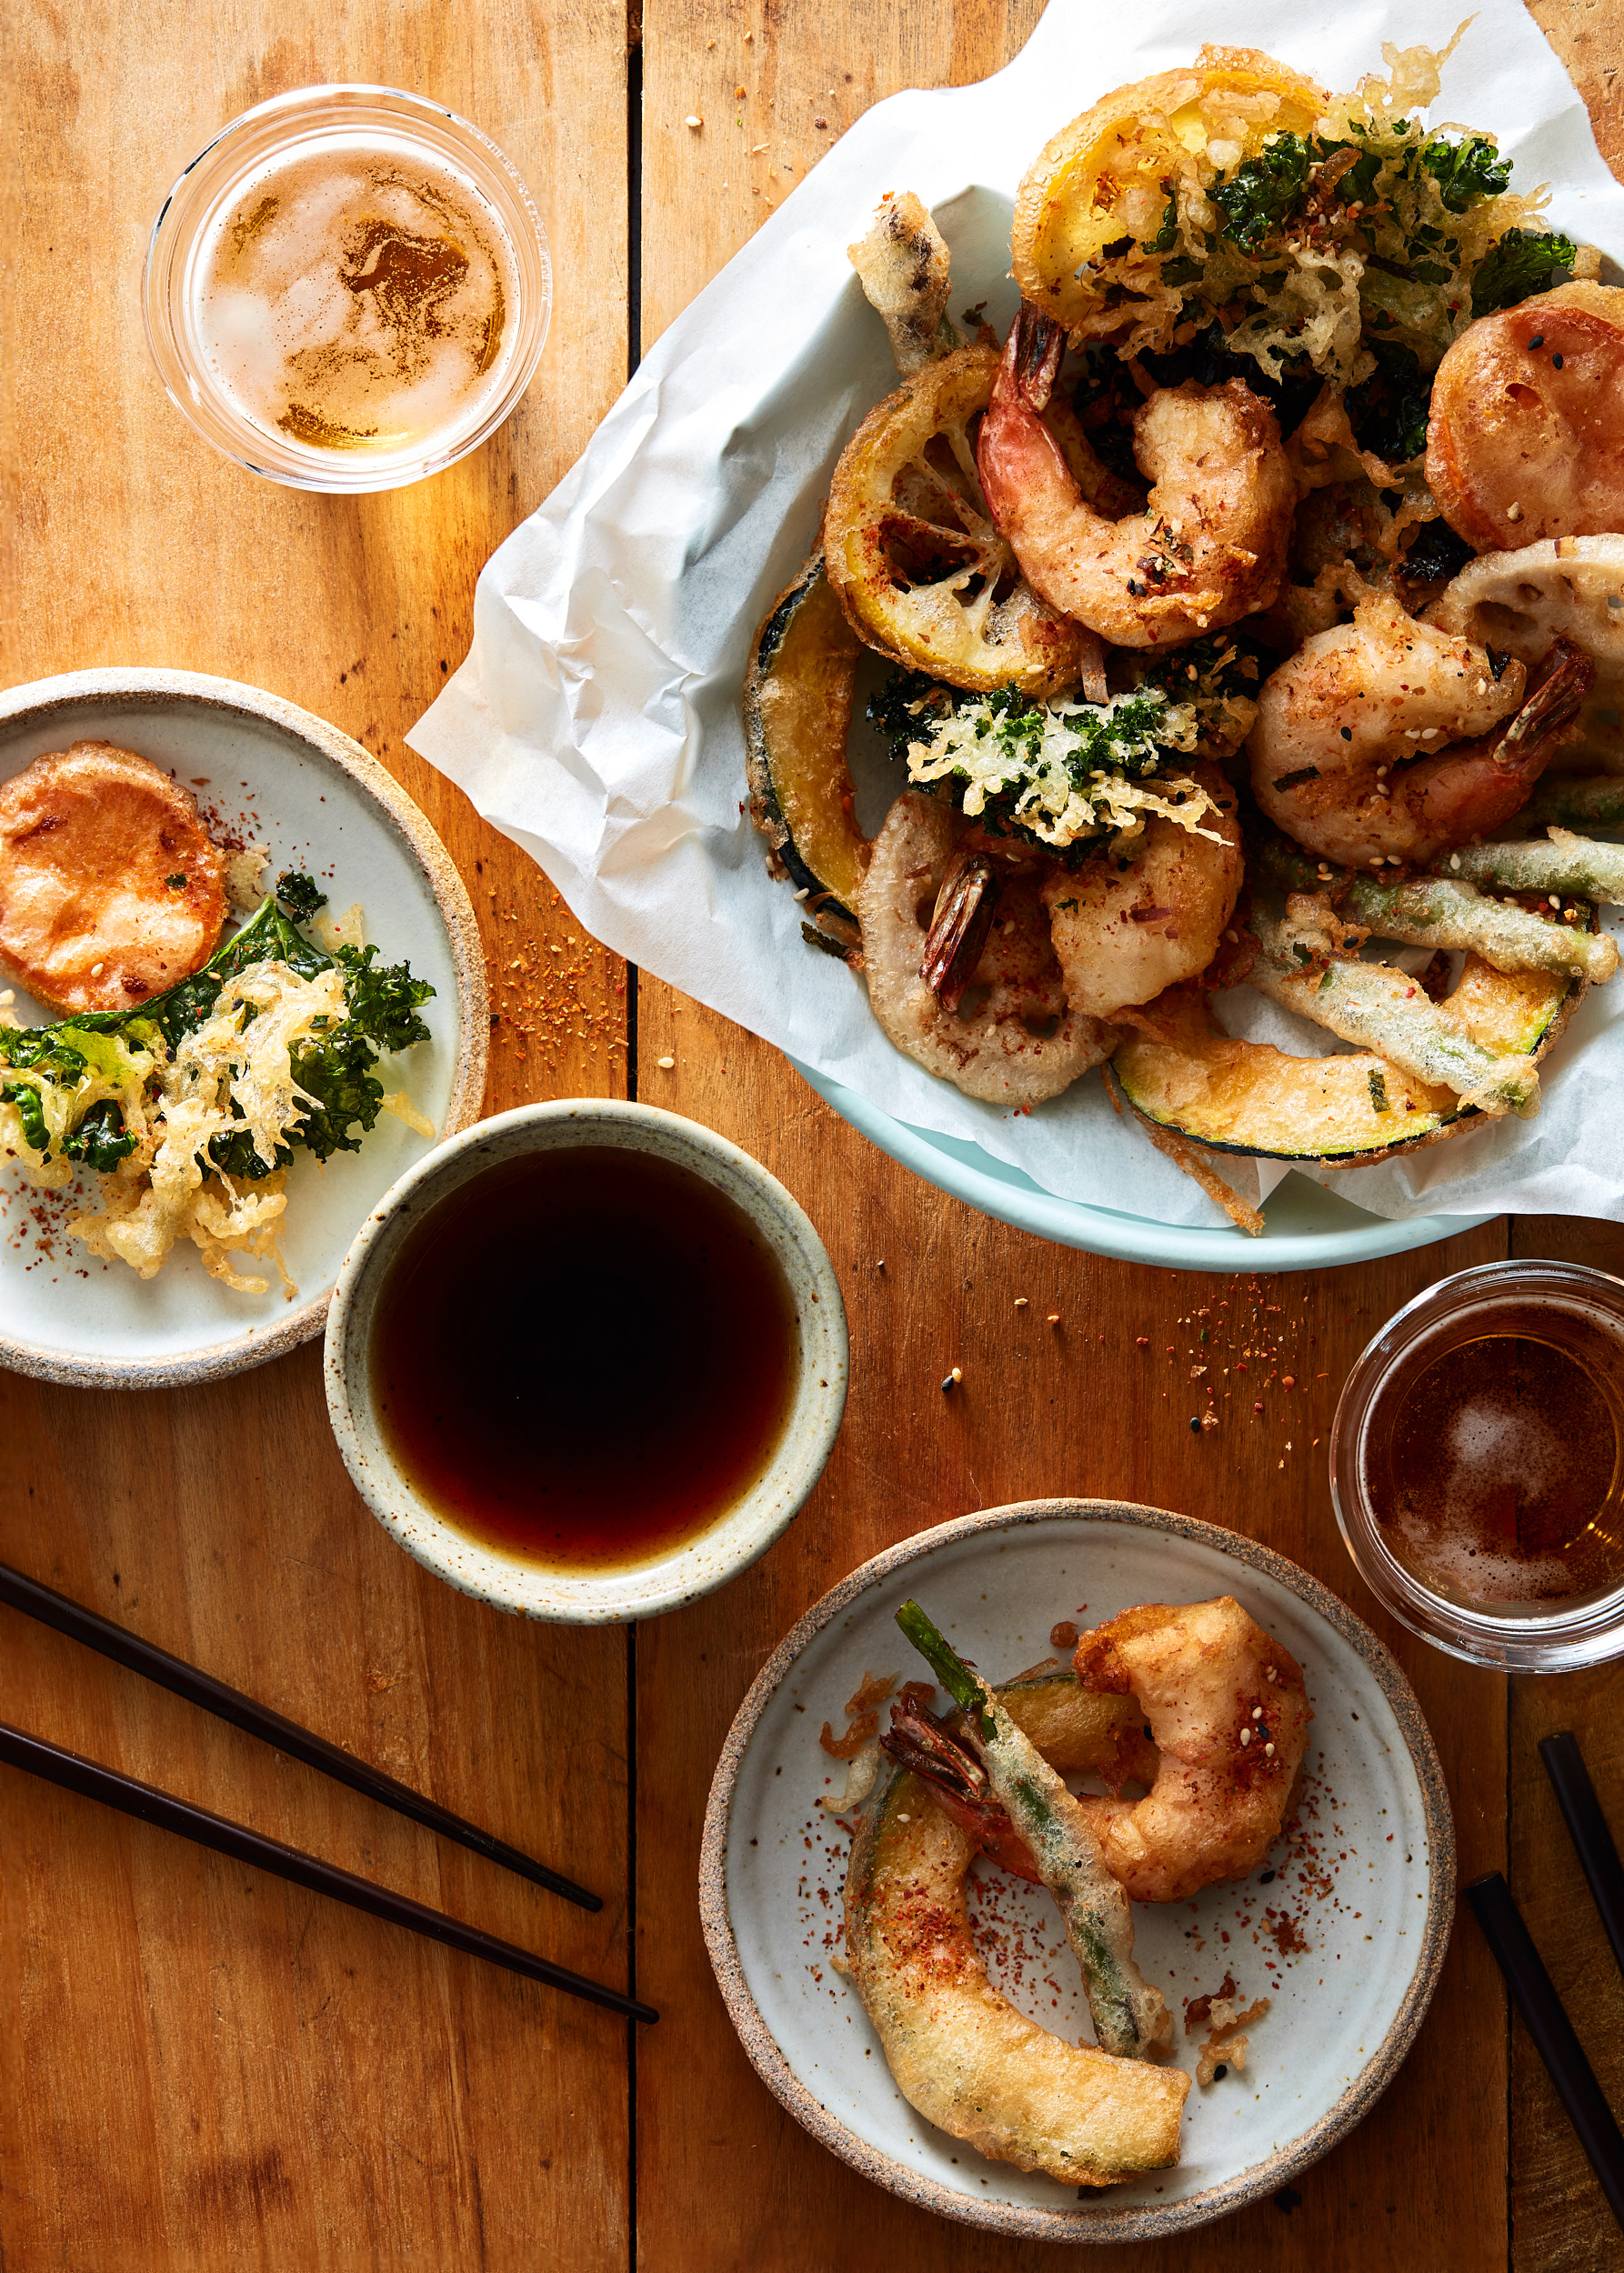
(947,1385)
(1348,733)
(1195,1422)
(1269,1878)
(1220,2072)
(1556,363)
(1537,340)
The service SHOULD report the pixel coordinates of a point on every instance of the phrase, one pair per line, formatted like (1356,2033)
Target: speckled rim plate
(47,712)
(898,1570)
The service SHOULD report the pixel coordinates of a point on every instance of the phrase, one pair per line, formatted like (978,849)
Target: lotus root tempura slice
(111,888)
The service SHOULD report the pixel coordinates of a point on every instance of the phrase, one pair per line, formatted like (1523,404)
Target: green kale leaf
(298,895)
(1523,262)
(100,1139)
(1388,411)
(1264,190)
(1466,171)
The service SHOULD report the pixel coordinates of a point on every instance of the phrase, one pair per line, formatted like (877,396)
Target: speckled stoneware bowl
(1367,1884)
(734,1541)
(265,772)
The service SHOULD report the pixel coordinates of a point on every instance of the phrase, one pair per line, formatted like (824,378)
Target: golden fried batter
(110,887)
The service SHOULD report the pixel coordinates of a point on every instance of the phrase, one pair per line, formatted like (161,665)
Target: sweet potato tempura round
(110,887)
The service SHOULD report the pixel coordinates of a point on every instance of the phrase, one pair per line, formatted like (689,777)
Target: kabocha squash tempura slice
(797,710)
(1131,2016)
(959,2052)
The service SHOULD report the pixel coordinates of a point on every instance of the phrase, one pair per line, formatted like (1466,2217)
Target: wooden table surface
(202,2067)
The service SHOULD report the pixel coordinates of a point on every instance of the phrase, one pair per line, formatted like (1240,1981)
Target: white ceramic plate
(273,775)
(1345,2009)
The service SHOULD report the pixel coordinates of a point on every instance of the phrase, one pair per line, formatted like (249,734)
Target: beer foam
(361,298)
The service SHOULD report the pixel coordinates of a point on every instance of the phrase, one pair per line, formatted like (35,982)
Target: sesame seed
(1556,363)
(1053,1318)
(1513,513)
(1270,1750)
(1020,1302)
(693,120)
(950,1381)
(664,1063)
(1246,1735)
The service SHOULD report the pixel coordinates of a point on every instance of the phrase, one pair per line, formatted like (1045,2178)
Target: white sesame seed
(96,970)
(1246,1735)
(664,1063)
(693,120)
(1552,899)
(1513,513)
(1454,860)
(1256,1712)
(1270,1750)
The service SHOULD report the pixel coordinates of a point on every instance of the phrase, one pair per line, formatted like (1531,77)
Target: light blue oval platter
(1308,1229)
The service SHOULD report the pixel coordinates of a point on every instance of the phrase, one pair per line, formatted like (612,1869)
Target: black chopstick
(228,1704)
(148,1805)
(1541,2008)
(1587,1828)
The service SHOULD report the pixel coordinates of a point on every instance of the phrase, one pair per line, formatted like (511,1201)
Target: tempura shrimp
(1211,546)
(992,1016)
(1227,1710)
(1125,929)
(1385,740)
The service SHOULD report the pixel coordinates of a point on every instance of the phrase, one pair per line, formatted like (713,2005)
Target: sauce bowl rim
(746,1529)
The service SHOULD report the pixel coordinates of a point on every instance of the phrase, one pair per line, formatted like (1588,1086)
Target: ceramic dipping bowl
(744,1530)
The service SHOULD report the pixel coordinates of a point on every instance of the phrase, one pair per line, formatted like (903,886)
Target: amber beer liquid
(357,298)
(1494,1462)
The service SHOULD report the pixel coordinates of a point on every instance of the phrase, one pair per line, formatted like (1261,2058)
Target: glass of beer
(347,289)
(1477,1466)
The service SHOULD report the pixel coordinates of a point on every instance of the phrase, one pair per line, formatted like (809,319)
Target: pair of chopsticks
(1532,1990)
(148,1805)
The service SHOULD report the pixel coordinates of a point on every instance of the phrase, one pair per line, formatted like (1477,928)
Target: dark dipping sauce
(583,1358)
(1497,1479)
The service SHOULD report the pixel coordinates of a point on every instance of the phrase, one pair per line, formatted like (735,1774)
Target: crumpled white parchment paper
(597,722)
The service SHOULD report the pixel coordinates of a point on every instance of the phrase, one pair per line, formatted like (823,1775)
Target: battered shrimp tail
(1211,546)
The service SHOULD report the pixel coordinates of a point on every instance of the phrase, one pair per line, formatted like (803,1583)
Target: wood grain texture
(1077,1411)
(1084,1409)
(202,2069)
(1559,2221)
